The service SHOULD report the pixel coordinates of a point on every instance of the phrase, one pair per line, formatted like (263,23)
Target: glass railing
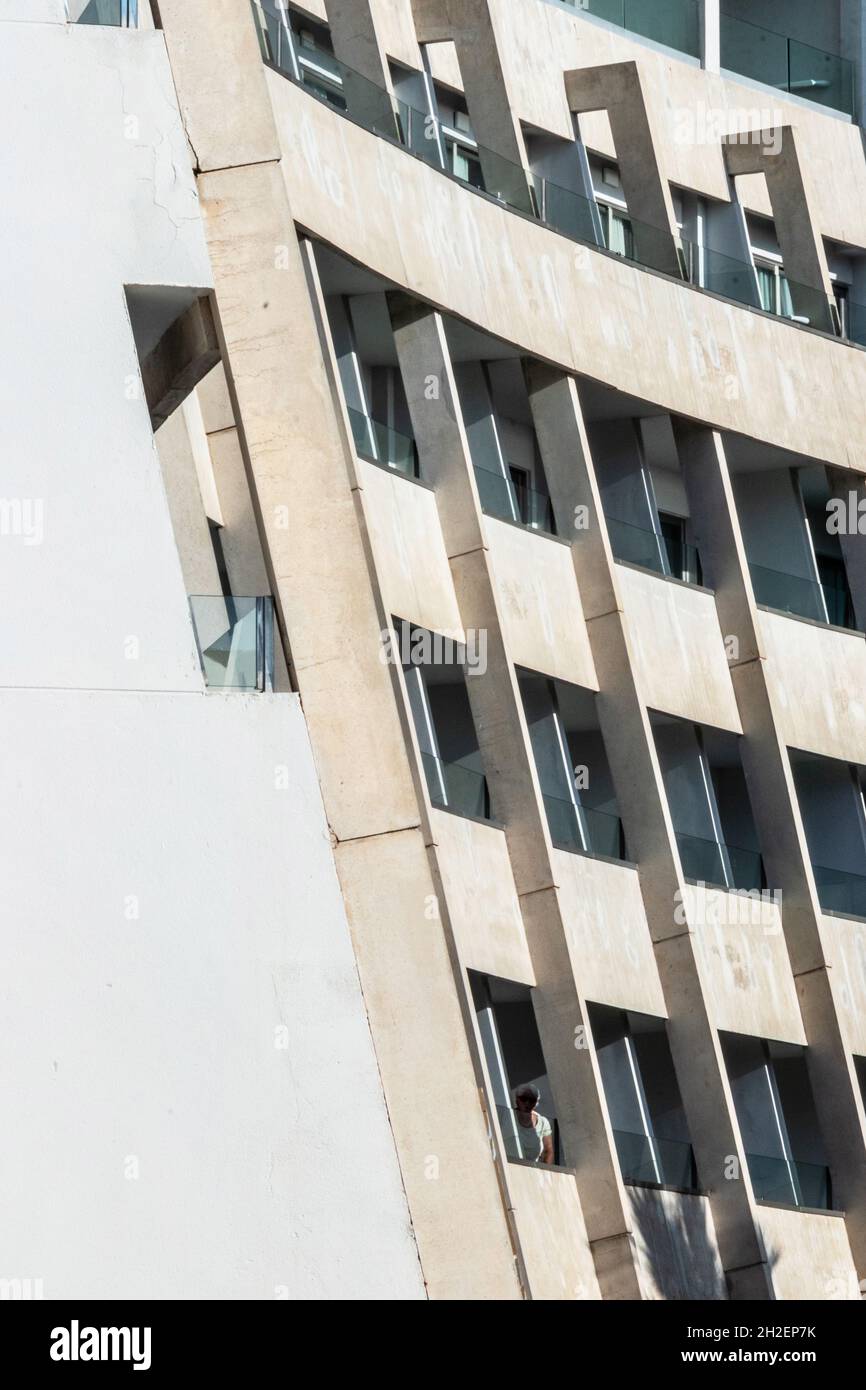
(383,444)
(840,891)
(235,638)
(791,1181)
(122,14)
(583,829)
(726,275)
(664,1162)
(723,865)
(675,23)
(457,787)
(787,64)
(501,497)
(651,550)
(807,598)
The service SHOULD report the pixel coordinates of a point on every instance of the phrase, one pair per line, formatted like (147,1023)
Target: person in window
(534,1130)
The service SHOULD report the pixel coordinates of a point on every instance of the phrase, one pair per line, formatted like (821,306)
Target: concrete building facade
(433,537)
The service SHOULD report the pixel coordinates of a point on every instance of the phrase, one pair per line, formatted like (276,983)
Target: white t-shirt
(531,1137)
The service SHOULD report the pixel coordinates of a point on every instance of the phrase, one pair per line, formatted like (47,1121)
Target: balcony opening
(572,767)
(778,1122)
(363,342)
(794,48)
(709,804)
(795,559)
(778,294)
(435,674)
(494,402)
(642,491)
(830,794)
(522,1096)
(301,48)
(562,185)
(643,1099)
(715,246)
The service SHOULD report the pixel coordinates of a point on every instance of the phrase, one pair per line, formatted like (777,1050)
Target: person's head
(526,1098)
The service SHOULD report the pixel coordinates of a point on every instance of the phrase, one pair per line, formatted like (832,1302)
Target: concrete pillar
(501,147)
(779,825)
(710,35)
(298,463)
(356,44)
(630,745)
(497,709)
(775,155)
(850,488)
(616,88)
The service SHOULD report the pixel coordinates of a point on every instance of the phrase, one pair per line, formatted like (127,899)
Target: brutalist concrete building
(433,676)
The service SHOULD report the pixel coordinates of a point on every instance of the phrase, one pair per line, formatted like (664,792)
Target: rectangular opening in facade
(776,1114)
(522,1095)
(795,556)
(831,799)
(644,499)
(505,456)
(709,804)
(643,1098)
(435,674)
(573,771)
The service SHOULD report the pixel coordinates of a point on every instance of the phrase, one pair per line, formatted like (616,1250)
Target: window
(773,288)
(683,558)
(616,230)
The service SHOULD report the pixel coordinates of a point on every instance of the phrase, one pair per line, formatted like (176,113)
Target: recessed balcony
(786,63)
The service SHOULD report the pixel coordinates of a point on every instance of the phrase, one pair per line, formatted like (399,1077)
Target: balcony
(675,23)
(520,1090)
(786,64)
(773,1098)
(121,14)
(643,1099)
(571,214)
(435,673)
(235,640)
(572,766)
